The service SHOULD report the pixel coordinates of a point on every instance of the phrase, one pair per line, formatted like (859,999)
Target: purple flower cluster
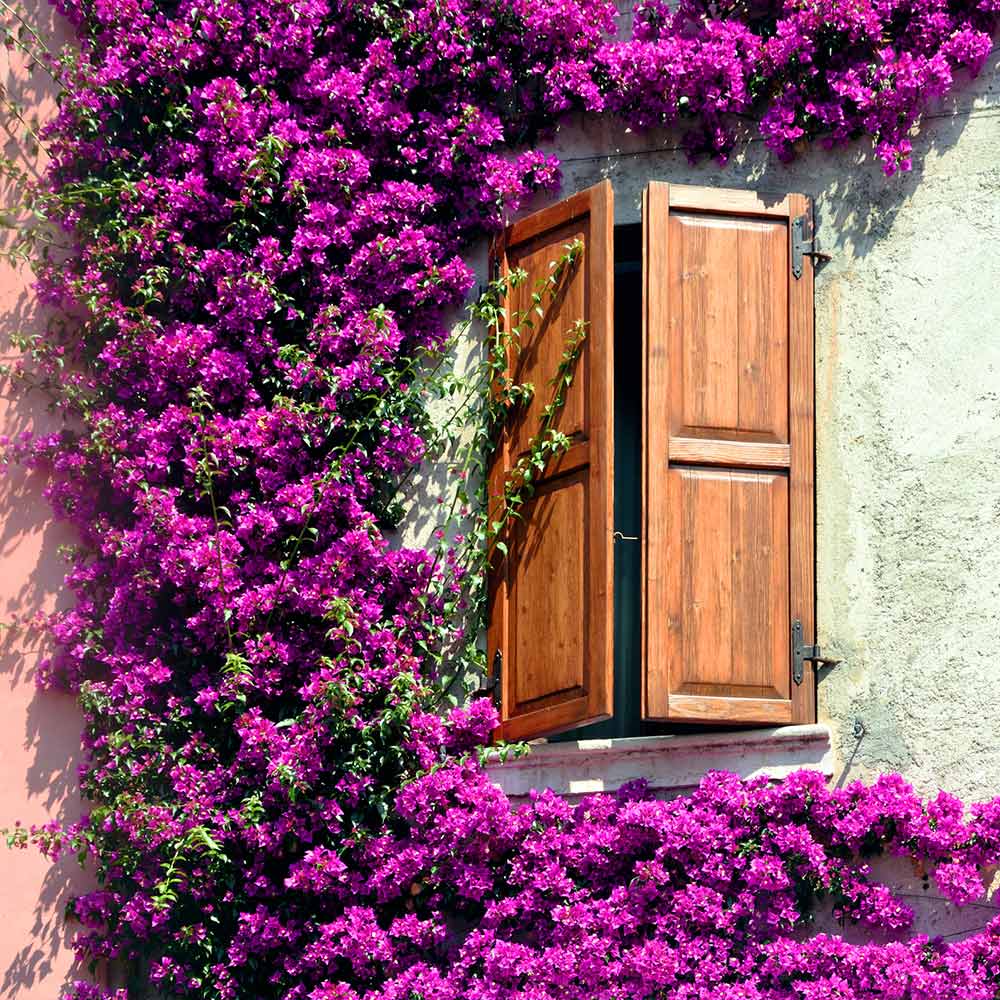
(622,896)
(270,199)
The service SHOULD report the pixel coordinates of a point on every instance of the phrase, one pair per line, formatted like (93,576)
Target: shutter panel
(551,598)
(728,458)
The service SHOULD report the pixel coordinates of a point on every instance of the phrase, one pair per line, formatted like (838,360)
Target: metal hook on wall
(619,537)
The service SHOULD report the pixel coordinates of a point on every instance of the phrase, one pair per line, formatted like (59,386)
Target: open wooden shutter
(550,630)
(728,457)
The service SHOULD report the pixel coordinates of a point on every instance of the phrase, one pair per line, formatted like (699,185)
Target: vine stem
(15,112)
(499,396)
(493,368)
(46,51)
(210,490)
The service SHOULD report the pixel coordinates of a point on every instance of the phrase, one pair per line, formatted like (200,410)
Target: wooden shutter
(550,628)
(728,457)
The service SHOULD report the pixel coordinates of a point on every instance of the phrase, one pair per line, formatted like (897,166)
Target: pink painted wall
(39,731)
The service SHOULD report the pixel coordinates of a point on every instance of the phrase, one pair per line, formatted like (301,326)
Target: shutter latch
(805,243)
(490,686)
(801,652)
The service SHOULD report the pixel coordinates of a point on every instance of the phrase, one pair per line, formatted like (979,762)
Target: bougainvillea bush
(268,202)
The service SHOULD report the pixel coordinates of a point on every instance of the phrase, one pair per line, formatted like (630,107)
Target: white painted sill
(671,764)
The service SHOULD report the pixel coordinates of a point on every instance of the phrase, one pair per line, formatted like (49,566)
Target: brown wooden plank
(601,342)
(576,206)
(548,587)
(729,327)
(576,456)
(775,666)
(728,603)
(704,318)
(551,598)
(753,599)
(762,283)
(760,583)
(542,340)
(657,558)
(729,552)
(729,201)
(722,711)
(558,717)
(702,648)
(760,454)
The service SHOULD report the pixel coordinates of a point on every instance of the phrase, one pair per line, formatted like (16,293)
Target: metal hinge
(490,686)
(801,652)
(805,243)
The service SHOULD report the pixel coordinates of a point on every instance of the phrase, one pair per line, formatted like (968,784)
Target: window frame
(595,704)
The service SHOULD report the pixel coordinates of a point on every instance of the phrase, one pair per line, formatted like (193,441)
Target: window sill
(671,764)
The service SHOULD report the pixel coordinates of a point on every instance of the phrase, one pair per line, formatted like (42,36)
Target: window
(696,321)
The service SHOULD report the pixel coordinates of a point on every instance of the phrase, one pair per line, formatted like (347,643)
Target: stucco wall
(908,425)
(39,731)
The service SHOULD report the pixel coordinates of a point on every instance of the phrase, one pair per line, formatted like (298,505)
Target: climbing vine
(254,220)
(475,525)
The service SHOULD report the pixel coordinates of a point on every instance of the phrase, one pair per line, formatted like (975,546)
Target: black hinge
(801,652)
(490,686)
(805,243)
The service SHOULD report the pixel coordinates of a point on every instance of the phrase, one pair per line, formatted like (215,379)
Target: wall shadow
(40,733)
